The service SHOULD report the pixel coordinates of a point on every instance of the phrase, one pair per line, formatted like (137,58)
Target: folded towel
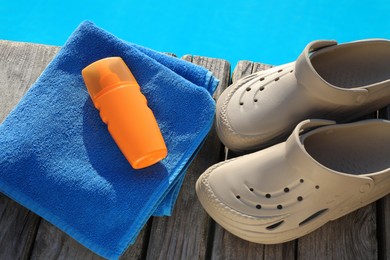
(58,159)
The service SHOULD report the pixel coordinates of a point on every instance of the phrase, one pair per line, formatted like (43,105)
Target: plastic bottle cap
(106,73)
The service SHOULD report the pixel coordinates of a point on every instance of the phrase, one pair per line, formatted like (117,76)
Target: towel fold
(58,159)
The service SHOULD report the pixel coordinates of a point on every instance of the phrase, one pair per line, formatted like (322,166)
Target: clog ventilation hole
(269,196)
(262,87)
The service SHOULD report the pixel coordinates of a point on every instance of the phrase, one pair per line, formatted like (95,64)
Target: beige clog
(322,172)
(329,81)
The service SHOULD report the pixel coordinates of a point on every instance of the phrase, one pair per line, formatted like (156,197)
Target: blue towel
(58,159)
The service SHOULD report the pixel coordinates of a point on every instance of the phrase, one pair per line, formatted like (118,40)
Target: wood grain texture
(245,68)
(228,246)
(18,227)
(20,66)
(385,231)
(184,235)
(52,243)
(350,237)
(383,225)
(220,69)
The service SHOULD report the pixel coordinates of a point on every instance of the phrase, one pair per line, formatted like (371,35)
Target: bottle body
(132,125)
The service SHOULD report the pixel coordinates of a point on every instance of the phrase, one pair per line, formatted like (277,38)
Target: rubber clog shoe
(322,172)
(328,81)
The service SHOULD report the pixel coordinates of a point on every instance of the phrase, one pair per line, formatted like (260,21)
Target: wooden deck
(189,233)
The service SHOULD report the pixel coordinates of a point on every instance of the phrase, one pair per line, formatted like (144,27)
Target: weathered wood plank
(242,69)
(220,69)
(383,227)
(20,66)
(228,246)
(184,235)
(245,68)
(385,249)
(52,243)
(350,237)
(18,228)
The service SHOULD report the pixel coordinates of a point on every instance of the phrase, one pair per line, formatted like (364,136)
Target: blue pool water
(272,32)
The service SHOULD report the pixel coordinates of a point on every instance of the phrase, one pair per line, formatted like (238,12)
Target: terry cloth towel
(58,159)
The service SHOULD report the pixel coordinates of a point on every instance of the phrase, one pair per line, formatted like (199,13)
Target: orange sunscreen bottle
(117,95)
